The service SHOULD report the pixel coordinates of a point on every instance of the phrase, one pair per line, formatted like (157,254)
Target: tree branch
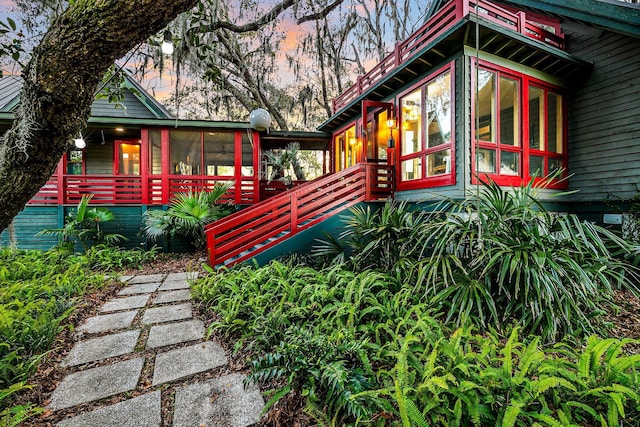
(320,14)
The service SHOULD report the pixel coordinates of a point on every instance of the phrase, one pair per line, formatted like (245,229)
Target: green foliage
(84,225)
(10,40)
(188,214)
(365,346)
(499,256)
(381,239)
(38,291)
(110,258)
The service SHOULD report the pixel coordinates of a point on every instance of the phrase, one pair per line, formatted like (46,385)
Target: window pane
(509,115)
(486,106)
(438,108)
(219,153)
(185,152)
(554,165)
(247,156)
(509,163)
(155,152)
(411,169)
(554,123)
(536,166)
(412,123)
(351,146)
(439,163)
(486,160)
(535,118)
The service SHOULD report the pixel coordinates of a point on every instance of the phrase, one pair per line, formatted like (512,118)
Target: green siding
(31,220)
(99,159)
(133,107)
(604,119)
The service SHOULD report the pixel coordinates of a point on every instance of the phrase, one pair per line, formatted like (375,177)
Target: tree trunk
(59,84)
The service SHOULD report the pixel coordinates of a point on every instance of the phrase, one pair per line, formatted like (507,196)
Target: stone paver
(174,333)
(126,303)
(171,286)
(147,278)
(108,322)
(182,362)
(172,296)
(172,277)
(141,411)
(102,348)
(125,278)
(143,288)
(96,383)
(167,313)
(218,402)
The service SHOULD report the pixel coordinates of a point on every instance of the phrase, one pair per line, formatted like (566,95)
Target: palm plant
(379,239)
(84,225)
(500,255)
(188,215)
(282,160)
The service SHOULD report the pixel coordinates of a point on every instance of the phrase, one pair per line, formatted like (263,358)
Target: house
(510,90)
(134,156)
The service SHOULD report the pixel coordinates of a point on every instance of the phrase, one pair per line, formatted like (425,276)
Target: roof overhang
(307,140)
(493,39)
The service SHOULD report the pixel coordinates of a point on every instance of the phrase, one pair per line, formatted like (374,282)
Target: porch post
(60,181)
(166,168)
(144,164)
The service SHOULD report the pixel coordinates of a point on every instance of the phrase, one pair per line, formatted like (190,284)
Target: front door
(128,158)
(379,135)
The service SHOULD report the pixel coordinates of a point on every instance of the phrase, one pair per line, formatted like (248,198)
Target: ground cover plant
(38,291)
(487,315)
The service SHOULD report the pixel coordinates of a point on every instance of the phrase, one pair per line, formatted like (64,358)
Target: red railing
(132,189)
(446,17)
(259,227)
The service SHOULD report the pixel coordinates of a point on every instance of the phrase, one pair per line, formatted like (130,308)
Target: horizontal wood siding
(128,222)
(31,220)
(604,118)
(133,108)
(99,159)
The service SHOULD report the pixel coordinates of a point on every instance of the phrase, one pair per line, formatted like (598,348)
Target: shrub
(84,226)
(500,256)
(109,258)
(188,214)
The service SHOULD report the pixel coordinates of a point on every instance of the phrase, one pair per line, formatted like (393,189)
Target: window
(426,139)
(219,149)
(346,147)
(184,146)
(504,149)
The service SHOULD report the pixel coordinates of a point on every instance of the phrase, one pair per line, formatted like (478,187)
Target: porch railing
(132,189)
(446,17)
(246,233)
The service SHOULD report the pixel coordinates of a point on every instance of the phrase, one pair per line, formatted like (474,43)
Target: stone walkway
(148,327)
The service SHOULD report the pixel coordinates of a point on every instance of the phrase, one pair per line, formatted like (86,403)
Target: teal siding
(31,220)
(604,119)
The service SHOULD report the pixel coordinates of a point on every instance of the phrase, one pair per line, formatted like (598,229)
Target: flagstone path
(148,331)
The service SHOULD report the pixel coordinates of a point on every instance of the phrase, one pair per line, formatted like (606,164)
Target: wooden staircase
(250,231)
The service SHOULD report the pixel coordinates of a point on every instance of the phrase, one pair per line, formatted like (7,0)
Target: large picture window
(519,127)
(426,137)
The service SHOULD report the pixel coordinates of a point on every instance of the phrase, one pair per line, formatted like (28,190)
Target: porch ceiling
(493,39)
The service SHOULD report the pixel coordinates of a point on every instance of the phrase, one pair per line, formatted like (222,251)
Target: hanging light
(392,123)
(79,142)
(167,43)
(260,119)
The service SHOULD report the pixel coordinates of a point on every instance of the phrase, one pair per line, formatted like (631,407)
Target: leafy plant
(377,239)
(188,214)
(84,225)
(281,160)
(109,258)
(500,256)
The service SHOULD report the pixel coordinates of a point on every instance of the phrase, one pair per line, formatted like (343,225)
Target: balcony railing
(446,17)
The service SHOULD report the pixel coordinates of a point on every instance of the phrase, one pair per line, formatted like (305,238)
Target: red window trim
(431,181)
(524,81)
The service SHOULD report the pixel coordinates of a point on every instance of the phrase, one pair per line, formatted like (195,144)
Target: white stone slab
(126,303)
(141,411)
(174,333)
(102,348)
(108,322)
(172,296)
(221,402)
(142,288)
(186,361)
(96,383)
(146,278)
(167,313)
